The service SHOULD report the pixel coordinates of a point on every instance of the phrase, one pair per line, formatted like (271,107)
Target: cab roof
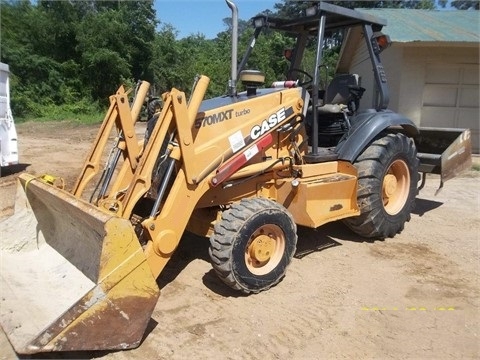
(337,17)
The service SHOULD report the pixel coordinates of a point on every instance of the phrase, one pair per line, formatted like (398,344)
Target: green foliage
(81,111)
(268,55)
(67,57)
(405,4)
(63,54)
(466,4)
(293,8)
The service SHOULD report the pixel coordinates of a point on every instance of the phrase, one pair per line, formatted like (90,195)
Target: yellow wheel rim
(396,187)
(265,249)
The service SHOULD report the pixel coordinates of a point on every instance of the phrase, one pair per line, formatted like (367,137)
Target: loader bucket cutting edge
(72,277)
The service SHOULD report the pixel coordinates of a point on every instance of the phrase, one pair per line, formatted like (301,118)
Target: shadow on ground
(13,169)
(423,206)
(193,247)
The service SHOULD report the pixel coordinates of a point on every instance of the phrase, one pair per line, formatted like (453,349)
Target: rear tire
(387,186)
(253,244)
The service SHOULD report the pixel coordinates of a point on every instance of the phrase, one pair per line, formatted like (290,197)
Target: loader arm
(120,115)
(86,252)
(197,158)
(176,116)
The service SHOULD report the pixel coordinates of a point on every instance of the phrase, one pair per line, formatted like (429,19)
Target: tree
(64,52)
(294,8)
(290,9)
(140,19)
(116,45)
(62,17)
(39,77)
(166,52)
(105,59)
(466,4)
(201,56)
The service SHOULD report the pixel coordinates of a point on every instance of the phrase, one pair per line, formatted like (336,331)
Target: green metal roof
(409,25)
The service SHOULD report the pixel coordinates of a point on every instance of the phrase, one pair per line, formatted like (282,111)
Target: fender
(365,127)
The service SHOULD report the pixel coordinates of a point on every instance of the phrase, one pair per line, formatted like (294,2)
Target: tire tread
(224,235)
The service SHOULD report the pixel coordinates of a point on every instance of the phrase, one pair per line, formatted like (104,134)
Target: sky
(205,16)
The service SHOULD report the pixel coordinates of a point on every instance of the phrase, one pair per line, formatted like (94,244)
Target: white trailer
(8,133)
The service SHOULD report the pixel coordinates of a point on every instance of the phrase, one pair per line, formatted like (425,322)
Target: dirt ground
(412,297)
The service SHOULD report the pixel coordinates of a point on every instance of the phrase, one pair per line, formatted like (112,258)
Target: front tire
(253,244)
(387,186)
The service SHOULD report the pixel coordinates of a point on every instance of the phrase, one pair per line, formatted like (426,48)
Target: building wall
(431,84)
(392,60)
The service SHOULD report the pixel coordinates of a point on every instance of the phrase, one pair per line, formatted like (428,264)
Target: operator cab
(334,106)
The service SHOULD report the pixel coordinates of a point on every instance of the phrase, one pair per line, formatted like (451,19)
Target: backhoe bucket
(72,276)
(444,151)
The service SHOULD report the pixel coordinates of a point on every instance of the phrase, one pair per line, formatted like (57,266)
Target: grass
(82,111)
(86,119)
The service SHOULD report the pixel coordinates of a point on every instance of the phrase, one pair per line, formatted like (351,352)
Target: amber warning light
(380,42)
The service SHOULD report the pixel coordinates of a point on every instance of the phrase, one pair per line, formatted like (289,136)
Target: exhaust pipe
(232,83)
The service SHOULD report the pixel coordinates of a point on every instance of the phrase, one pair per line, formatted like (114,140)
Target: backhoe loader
(79,266)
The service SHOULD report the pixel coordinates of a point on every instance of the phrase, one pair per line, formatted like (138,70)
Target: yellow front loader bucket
(72,276)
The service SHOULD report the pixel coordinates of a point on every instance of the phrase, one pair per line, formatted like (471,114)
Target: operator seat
(339,103)
(342,94)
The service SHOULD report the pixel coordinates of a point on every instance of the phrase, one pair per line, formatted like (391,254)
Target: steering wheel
(300,71)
